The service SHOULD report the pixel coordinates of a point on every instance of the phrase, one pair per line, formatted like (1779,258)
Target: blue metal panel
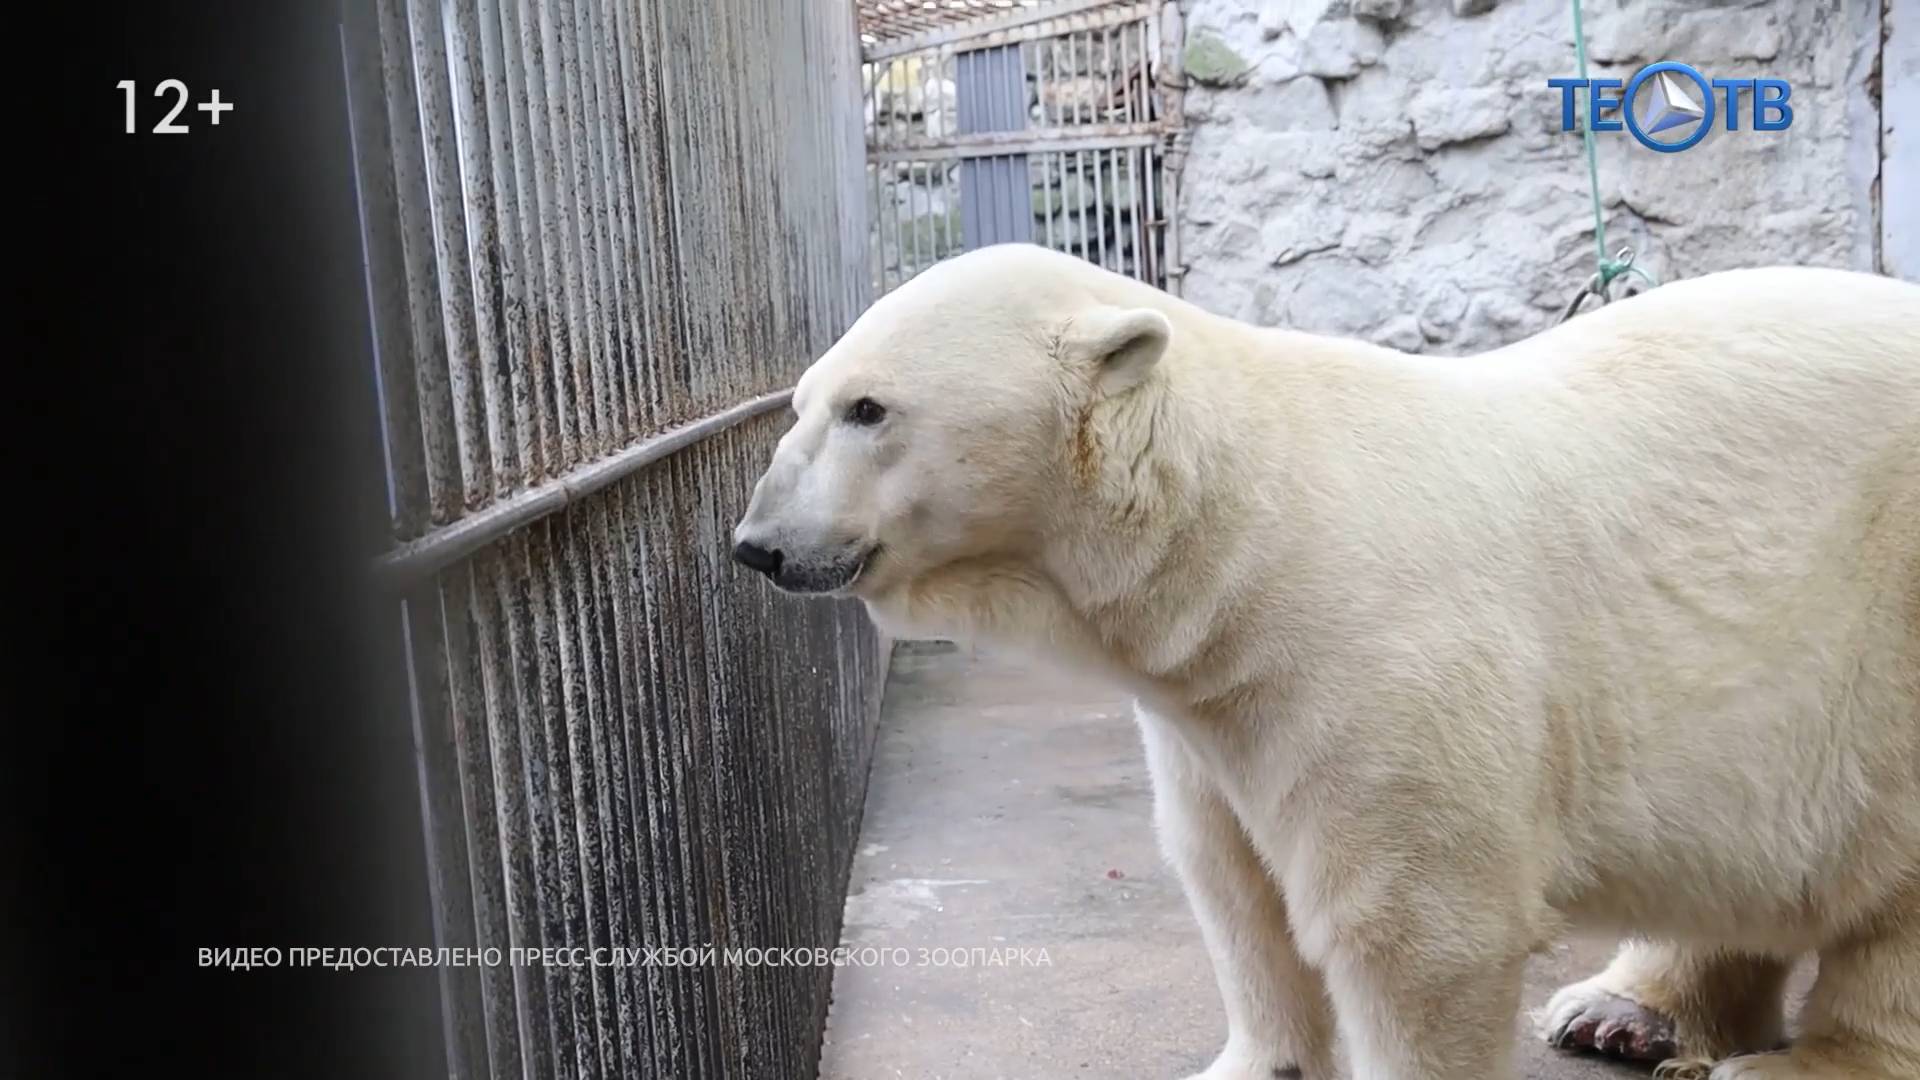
(995,194)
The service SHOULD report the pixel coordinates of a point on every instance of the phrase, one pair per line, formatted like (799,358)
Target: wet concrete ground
(1019,920)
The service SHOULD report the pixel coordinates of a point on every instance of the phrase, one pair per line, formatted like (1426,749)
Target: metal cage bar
(1051,122)
(601,245)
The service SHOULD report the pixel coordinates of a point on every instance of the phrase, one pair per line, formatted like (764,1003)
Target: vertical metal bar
(414,224)
(569,146)
(1078,62)
(986,78)
(595,1007)
(609,769)
(1061,83)
(1135,210)
(489,599)
(630,172)
(384,258)
(1155,161)
(966,109)
(589,207)
(1109,167)
(573,382)
(1095,77)
(1037,204)
(913,218)
(653,853)
(1134,86)
(900,220)
(1148,101)
(530,633)
(1020,185)
(441,126)
(1143,179)
(559,677)
(954,175)
(449,876)
(927,69)
(980,169)
(1170,172)
(670,335)
(1002,166)
(1153,220)
(551,342)
(870,142)
(892,213)
(741,120)
(1080,186)
(528,330)
(723,841)
(738,100)
(482,218)
(951,198)
(1099,212)
(687,711)
(1042,74)
(875,241)
(923,186)
(606,166)
(1052,164)
(1071,88)
(672,805)
(499,1009)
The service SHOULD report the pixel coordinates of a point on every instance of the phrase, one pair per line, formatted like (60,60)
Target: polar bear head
(941,428)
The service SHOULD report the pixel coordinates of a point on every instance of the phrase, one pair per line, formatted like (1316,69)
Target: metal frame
(1093,154)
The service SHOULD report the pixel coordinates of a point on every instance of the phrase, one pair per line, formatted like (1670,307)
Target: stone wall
(1395,169)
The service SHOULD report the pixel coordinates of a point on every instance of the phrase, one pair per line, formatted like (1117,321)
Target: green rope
(1610,268)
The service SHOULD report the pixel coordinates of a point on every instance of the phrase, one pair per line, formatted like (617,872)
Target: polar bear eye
(866,412)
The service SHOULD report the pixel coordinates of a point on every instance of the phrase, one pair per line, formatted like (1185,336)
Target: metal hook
(1573,306)
(1600,289)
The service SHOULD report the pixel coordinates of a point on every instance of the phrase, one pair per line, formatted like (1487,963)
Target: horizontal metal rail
(416,561)
(1002,29)
(989,143)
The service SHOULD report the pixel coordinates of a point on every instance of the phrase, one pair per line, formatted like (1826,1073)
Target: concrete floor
(1024,925)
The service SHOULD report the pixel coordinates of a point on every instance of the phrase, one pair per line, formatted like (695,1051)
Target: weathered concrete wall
(1395,169)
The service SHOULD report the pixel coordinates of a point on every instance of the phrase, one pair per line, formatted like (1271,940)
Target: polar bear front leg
(1406,1013)
(1279,1025)
(1416,908)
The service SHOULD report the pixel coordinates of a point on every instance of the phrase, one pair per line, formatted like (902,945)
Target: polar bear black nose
(754,557)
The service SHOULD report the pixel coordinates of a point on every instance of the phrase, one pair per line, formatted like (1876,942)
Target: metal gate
(1055,123)
(602,239)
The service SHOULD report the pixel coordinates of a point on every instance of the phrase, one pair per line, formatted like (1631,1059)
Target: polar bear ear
(1122,344)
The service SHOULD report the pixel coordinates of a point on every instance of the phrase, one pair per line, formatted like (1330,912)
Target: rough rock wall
(1395,169)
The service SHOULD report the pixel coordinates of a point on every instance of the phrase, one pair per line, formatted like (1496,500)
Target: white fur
(1616,628)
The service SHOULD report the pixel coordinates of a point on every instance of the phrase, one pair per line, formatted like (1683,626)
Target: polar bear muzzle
(804,571)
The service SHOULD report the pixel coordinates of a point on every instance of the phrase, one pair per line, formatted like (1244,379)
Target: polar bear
(1616,628)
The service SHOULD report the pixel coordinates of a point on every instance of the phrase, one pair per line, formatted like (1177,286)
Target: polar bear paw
(1235,1064)
(1795,1065)
(1585,1016)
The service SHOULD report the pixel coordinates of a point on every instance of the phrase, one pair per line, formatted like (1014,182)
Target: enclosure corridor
(1007,865)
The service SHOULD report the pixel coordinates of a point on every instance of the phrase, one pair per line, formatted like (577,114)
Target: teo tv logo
(1672,98)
